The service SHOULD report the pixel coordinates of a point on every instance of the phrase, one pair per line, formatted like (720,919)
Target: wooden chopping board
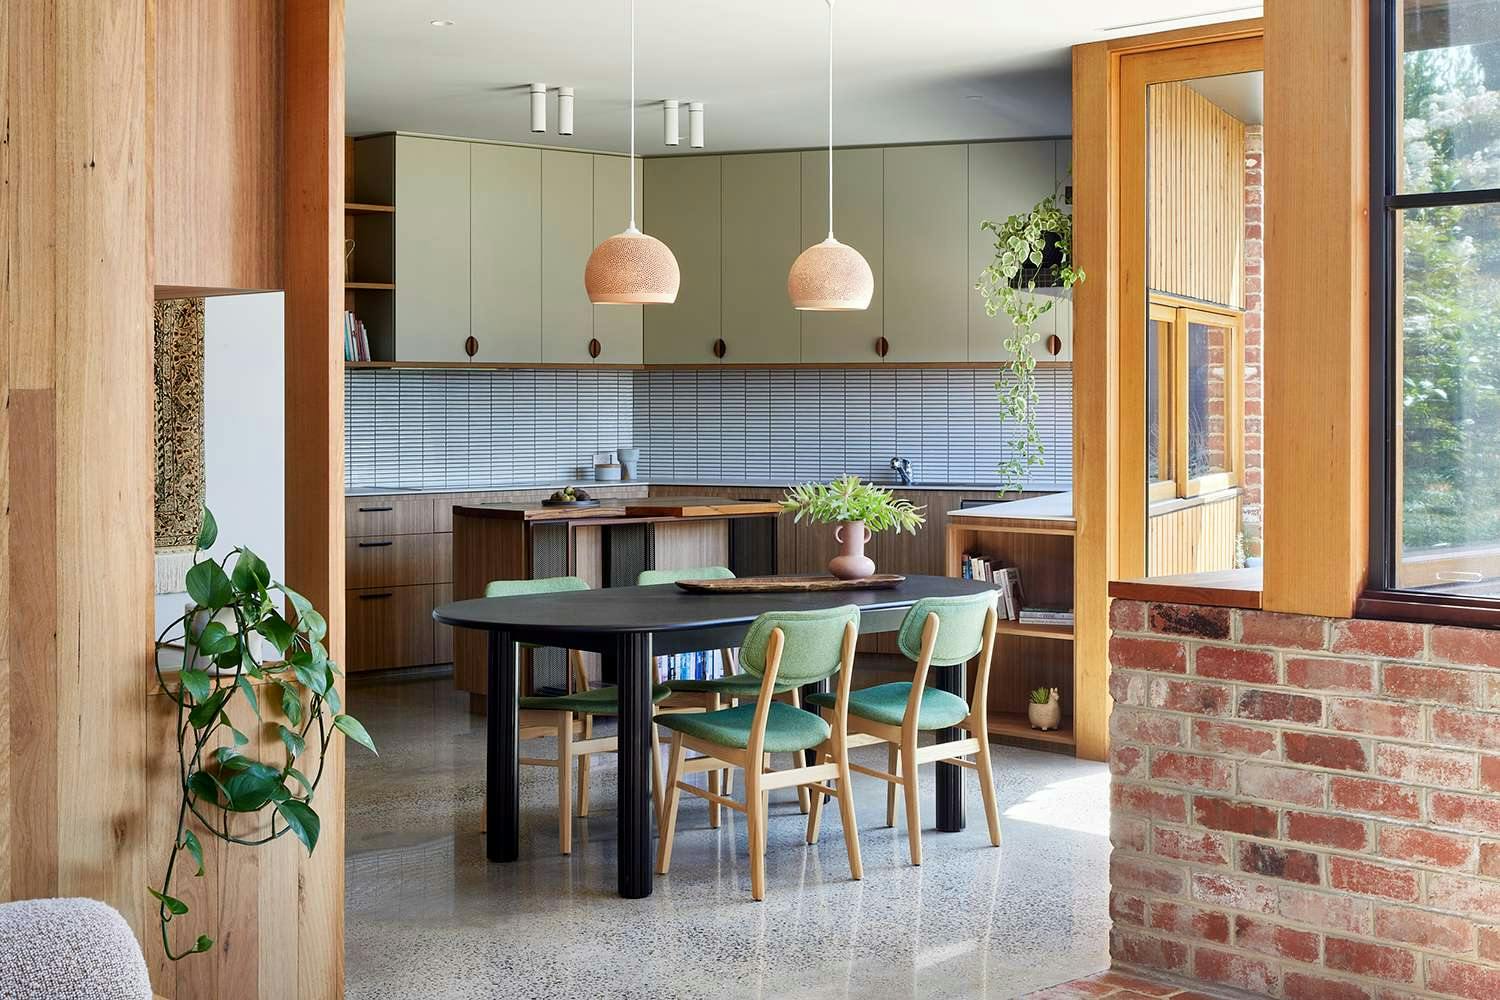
(789,584)
(697,507)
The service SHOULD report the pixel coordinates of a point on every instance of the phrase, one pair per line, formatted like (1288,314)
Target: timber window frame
(1172,321)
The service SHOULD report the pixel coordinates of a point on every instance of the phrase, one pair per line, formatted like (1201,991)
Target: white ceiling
(907,70)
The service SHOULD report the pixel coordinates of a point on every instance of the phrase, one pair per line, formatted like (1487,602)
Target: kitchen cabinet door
(859,221)
(682,210)
(567,241)
(617,328)
(926,253)
(505,263)
(1004,178)
(431,249)
(762,225)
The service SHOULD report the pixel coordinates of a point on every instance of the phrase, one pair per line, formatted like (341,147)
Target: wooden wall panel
(218,146)
(1196,196)
(1317,306)
(75,372)
(1198,538)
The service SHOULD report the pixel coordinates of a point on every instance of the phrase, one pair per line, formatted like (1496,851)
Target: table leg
(502,837)
(636,674)
(950,782)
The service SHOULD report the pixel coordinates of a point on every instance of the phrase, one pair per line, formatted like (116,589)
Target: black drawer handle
(376,597)
(375,510)
(375,545)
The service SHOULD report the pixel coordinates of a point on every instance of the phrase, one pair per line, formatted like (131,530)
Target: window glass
(1158,405)
(1448,456)
(1208,397)
(1448,87)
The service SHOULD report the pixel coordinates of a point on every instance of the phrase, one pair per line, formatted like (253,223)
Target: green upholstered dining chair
(941,631)
(570,717)
(714,693)
(800,647)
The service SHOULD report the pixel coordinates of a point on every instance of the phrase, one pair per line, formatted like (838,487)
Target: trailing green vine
(1009,284)
(219,664)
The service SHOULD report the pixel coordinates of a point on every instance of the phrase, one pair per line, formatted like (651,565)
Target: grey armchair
(69,949)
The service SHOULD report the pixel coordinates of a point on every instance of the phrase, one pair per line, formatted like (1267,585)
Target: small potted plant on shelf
(1045,710)
(859,509)
(1033,261)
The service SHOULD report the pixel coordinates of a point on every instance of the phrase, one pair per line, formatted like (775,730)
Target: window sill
(1159,507)
(1440,609)
(1229,588)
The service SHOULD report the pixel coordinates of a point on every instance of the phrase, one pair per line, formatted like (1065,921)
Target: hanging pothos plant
(236,612)
(1033,250)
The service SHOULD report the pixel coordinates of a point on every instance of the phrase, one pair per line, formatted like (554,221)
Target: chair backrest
(528,588)
(652,577)
(813,643)
(960,627)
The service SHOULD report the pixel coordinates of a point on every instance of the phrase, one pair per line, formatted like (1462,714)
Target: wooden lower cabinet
(389,627)
(442,635)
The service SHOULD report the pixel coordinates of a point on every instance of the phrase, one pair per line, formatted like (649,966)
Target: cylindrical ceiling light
(564,111)
(631,268)
(538,107)
(671,127)
(695,124)
(830,276)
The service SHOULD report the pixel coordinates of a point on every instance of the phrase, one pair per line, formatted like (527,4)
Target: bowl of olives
(570,496)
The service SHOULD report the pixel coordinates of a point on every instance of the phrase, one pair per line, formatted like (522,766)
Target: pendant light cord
(631,227)
(830,118)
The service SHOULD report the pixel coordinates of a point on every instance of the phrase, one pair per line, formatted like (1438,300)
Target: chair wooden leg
(815,811)
(803,795)
(565,782)
(893,765)
(846,814)
(669,806)
(657,797)
(713,807)
(583,769)
(755,812)
(987,789)
(913,800)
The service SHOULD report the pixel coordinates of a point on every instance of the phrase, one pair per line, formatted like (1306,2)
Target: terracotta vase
(851,563)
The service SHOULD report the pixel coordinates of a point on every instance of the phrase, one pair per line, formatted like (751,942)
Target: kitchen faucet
(903,469)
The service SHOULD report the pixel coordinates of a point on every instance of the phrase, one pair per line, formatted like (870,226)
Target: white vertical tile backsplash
(445,428)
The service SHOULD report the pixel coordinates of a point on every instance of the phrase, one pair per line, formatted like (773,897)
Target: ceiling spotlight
(564,110)
(695,124)
(671,127)
(538,107)
(441,23)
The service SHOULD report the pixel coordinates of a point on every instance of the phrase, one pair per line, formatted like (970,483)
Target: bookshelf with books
(1025,547)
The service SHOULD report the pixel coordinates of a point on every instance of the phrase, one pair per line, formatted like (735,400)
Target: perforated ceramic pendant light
(830,276)
(631,268)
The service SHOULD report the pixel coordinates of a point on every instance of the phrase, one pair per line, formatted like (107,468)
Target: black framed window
(1435,361)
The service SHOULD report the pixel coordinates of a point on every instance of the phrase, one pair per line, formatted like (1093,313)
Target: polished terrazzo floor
(428,917)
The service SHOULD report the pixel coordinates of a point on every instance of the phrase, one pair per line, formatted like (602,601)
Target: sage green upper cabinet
(682,210)
(505,262)
(859,221)
(1004,178)
(431,249)
(617,328)
(926,253)
(567,240)
(762,226)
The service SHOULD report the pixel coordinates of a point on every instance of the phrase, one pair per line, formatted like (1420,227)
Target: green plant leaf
(250,574)
(295,745)
(300,779)
(312,624)
(231,760)
(252,788)
(302,821)
(208,532)
(313,675)
(175,907)
(240,739)
(215,638)
(248,690)
(192,846)
(277,631)
(204,712)
(208,586)
(205,786)
(203,943)
(335,703)
(291,703)
(197,684)
(355,730)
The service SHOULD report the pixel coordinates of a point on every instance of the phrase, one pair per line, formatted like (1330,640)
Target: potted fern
(859,509)
(1033,259)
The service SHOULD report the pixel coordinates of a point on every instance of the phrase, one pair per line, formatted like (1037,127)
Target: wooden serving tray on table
(789,584)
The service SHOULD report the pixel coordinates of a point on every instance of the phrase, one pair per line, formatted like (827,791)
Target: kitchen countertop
(1056,507)
(590,484)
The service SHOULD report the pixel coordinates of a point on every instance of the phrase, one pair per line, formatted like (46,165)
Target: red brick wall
(1254,311)
(1305,807)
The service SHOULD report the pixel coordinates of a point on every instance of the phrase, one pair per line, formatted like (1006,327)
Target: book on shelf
(356,338)
(700,666)
(1046,616)
(1006,578)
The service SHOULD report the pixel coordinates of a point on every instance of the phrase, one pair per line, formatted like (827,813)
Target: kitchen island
(607,545)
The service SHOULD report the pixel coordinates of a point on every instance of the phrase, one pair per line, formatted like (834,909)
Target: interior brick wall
(1254,313)
(1306,807)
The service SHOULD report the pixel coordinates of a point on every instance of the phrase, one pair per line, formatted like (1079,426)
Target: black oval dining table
(629,627)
